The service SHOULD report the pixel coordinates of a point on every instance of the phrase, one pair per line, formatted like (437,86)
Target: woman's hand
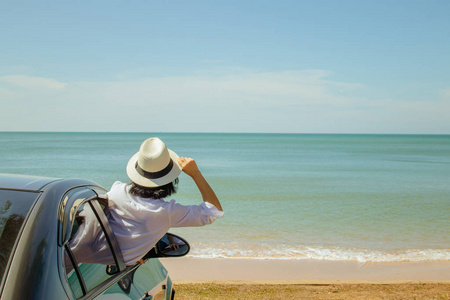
(188,166)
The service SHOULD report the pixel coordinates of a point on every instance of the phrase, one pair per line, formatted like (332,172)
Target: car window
(14,207)
(89,250)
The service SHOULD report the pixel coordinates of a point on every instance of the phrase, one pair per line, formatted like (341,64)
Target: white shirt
(139,223)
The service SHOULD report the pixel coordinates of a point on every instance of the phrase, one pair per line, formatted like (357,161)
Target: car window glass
(90,249)
(73,279)
(14,207)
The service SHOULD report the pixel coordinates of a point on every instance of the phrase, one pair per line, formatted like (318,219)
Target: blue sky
(225,66)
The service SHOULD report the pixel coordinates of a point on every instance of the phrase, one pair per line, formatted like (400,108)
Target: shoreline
(188,269)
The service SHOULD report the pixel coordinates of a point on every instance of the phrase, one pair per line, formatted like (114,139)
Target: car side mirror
(170,245)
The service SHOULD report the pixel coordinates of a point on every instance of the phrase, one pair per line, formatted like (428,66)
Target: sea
(345,197)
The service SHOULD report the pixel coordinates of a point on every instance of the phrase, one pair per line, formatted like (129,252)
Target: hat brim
(147,182)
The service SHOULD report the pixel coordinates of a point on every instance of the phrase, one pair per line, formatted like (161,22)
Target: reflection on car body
(56,243)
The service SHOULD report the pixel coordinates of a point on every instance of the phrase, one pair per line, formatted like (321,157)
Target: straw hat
(154,165)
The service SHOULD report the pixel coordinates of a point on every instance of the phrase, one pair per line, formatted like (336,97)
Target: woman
(138,214)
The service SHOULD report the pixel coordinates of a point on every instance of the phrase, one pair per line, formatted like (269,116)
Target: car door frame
(69,205)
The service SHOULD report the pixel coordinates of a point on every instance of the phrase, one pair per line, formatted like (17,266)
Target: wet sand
(196,278)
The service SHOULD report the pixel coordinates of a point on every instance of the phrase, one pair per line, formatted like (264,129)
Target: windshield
(14,207)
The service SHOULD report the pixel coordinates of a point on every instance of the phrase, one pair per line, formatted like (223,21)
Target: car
(40,218)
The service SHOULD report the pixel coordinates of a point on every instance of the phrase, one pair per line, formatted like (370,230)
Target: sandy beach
(196,278)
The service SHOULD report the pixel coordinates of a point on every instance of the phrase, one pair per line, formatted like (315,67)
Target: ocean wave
(253,251)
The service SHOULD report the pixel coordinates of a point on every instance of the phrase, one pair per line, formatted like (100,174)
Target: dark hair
(156,192)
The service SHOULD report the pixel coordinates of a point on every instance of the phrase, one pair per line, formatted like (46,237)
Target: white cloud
(32,82)
(238,100)
(280,88)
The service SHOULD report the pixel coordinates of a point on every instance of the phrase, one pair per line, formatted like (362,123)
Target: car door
(88,249)
(153,277)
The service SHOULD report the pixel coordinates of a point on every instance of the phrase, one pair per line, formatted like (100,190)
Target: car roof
(24,182)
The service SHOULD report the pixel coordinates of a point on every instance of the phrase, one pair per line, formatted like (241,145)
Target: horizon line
(219,132)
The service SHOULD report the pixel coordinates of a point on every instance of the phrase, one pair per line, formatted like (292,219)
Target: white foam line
(319,253)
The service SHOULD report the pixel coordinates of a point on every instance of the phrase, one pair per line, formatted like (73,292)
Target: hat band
(155,175)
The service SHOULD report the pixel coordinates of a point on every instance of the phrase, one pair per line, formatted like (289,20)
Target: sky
(324,66)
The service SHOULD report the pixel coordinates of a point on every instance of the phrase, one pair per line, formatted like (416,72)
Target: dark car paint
(32,280)
(36,269)
(24,182)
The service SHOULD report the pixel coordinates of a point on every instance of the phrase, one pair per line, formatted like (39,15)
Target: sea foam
(249,251)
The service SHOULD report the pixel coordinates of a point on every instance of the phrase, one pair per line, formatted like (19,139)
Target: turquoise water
(291,196)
